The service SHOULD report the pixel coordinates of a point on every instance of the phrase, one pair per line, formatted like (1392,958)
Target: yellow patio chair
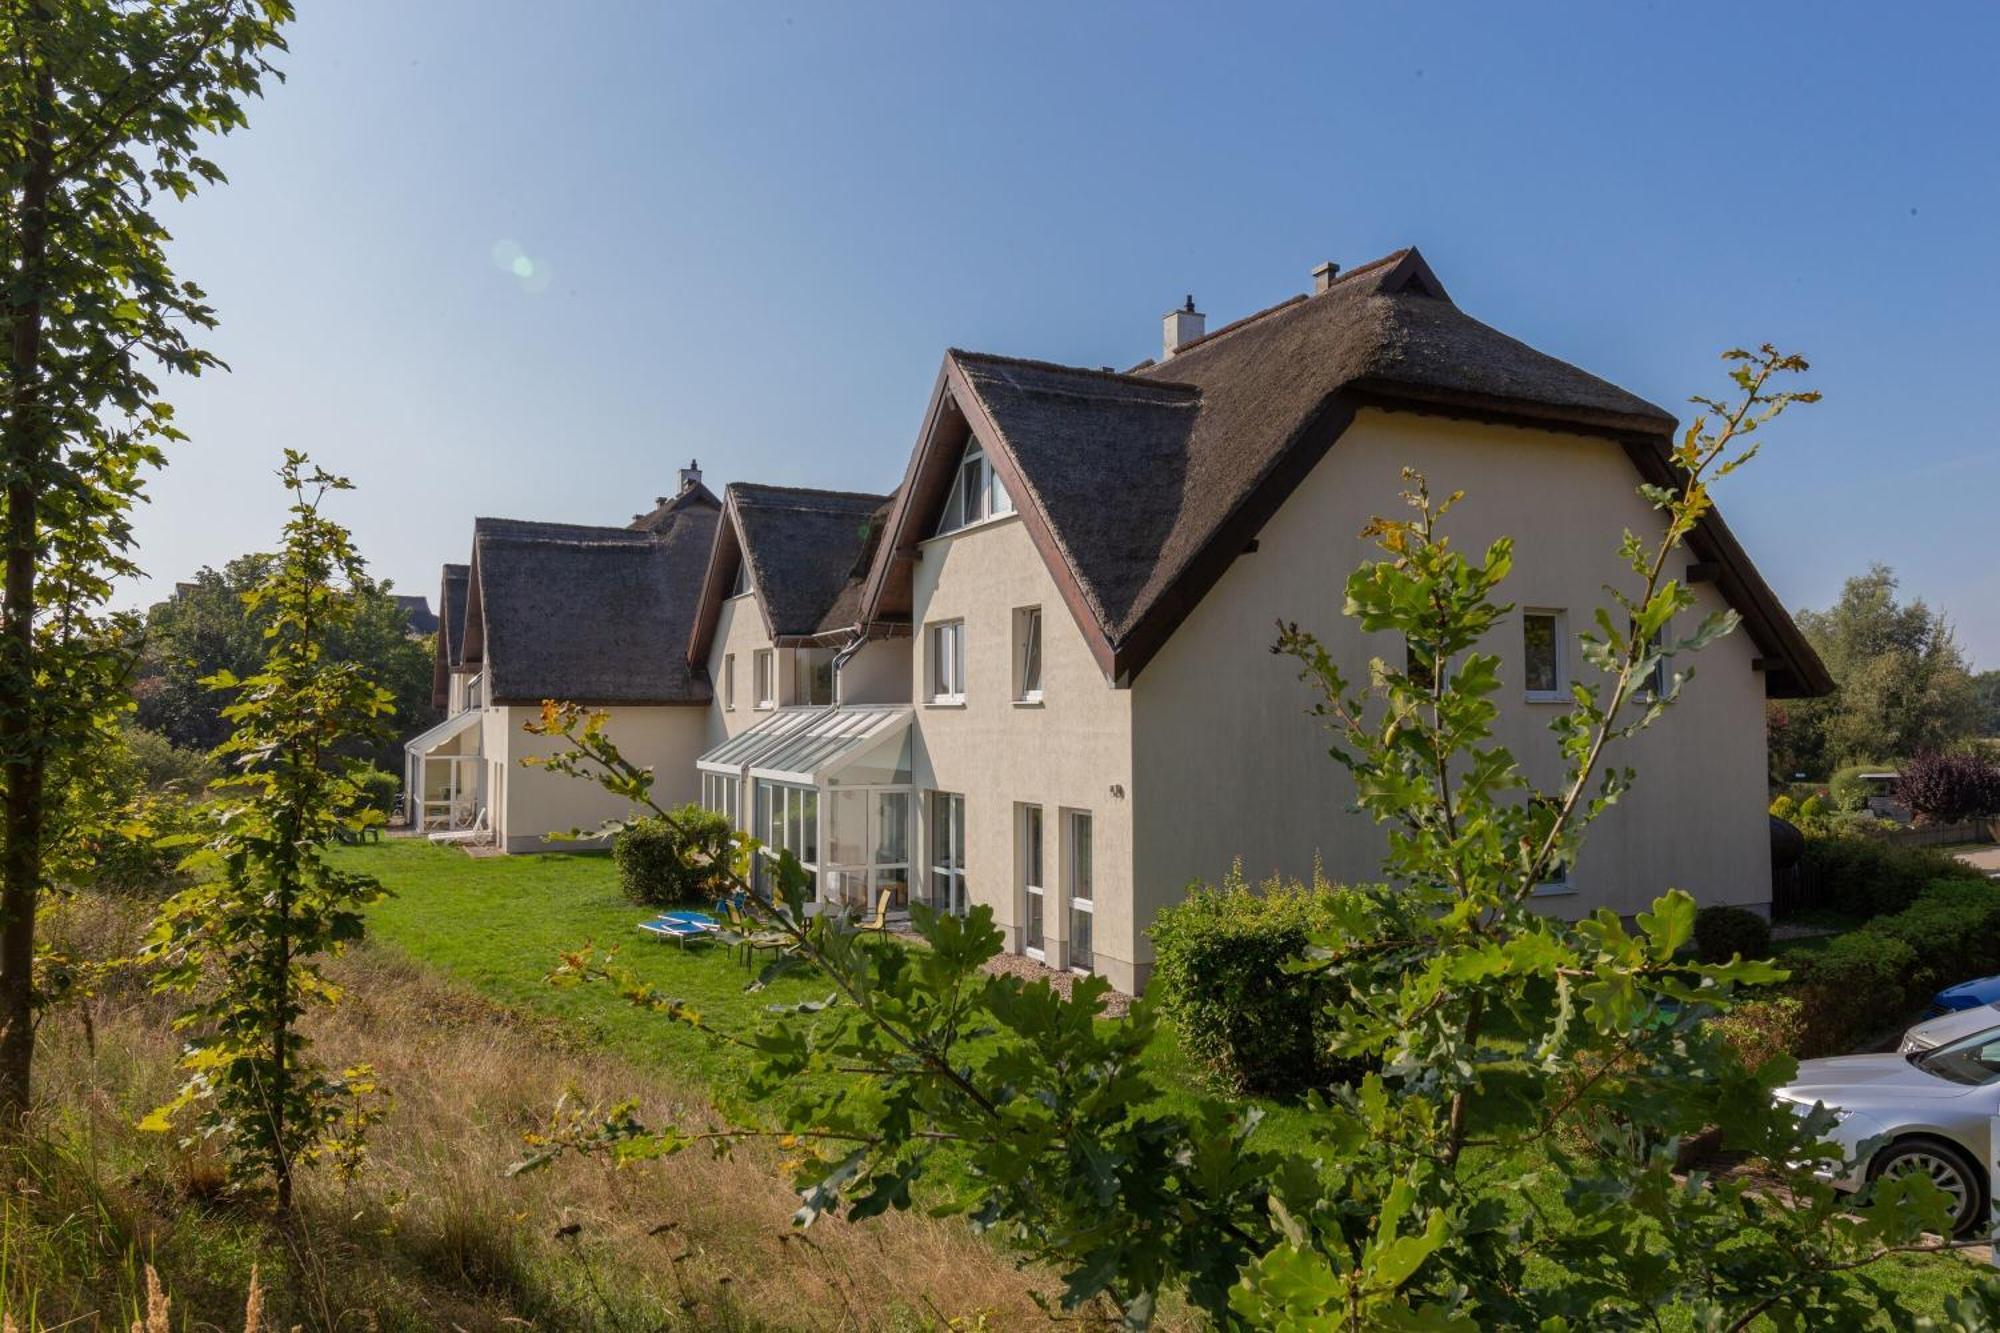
(880,921)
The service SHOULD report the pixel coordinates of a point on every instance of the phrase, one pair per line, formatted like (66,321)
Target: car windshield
(1973,1061)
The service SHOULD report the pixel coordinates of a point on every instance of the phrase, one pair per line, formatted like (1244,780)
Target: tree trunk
(24,439)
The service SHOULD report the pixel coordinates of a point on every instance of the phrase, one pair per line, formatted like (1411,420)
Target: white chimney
(1324,275)
(691,474)
(1181,327)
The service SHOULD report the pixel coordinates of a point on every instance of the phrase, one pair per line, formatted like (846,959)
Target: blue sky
(749,232)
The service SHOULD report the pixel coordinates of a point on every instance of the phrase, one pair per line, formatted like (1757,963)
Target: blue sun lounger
(680,927)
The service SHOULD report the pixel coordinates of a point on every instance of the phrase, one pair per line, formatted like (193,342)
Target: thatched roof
(808,553)
(1201,449)
(803,546)
(450,652)
(587,614)
(664,509)
(417,610)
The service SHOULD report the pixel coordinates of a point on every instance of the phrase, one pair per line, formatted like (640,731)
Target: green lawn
(499,925)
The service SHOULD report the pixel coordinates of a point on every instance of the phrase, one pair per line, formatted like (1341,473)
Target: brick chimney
(1181,327)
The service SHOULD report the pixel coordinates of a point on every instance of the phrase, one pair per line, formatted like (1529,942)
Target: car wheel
(1948,1169)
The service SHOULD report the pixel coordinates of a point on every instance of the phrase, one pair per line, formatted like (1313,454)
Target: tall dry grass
(432,1235)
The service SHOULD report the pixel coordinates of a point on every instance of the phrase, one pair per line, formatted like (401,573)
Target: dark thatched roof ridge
(589,614)
(451,612)
(417,610)
(449,655)
(804,547)
(1202,448)
(663,513)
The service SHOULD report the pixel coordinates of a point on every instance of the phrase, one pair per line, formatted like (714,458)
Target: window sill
(991,520)
(1553,891)
(1538,697)
(1034,702)
(946,701)
(1039,955)
(765,708)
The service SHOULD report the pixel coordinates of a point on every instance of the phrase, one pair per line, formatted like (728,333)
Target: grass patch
(498,924)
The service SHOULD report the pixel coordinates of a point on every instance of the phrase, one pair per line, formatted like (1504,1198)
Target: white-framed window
(1028,655)
(729,682)
(948,892)
(1034,896)
(977,492)
(741,584)
(945,671)
(719,794)
(761,669)
(1555,877)
(812,675)
(1078,878)
(1544,665)
(788,819)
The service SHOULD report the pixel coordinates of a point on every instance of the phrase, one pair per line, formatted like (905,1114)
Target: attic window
(977,493)
(742,583)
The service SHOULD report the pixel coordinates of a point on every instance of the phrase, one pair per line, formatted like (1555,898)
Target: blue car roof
(1969,994)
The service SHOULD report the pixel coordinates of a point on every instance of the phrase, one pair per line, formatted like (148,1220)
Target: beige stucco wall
(1072,752)
(739,629)
(879,673)
(1229,765)
(529,803)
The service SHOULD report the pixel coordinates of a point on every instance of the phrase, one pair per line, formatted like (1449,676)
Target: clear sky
(749,231)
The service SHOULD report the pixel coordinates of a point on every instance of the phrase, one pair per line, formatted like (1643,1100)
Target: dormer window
(977,493)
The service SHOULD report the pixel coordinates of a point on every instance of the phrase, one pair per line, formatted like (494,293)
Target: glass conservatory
(830,785)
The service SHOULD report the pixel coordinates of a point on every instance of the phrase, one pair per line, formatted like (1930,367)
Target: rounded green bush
(1246,1022)
(1722,933)
(666,862)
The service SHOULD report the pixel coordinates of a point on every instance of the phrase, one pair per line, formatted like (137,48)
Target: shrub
(1846,790)
(666,861)
(1947,787)
(1722,933)
(163,766)
(1856,985)
(378,788)
(1760,1029)
(1784,807)
(1866,877)
(1812,812)
(1954,930)
(1866,981)
(1246,1023)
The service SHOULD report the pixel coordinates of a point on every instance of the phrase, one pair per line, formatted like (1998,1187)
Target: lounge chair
(749,938)
(680,929)
(880,921)
(479,832)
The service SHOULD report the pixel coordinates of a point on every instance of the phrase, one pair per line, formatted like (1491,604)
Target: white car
(1928,1107)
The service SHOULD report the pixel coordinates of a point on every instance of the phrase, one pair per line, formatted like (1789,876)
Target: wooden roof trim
(716,581)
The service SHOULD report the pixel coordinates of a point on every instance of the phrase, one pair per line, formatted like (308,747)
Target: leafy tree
(1510,1161)
(105,104)
(1949,786)
(209,627)
(1986,688)
(247,940)
(1903,683)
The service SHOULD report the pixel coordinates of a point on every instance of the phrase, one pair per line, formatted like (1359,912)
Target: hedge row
(1867,979)
(1246,1023)
(1869,877)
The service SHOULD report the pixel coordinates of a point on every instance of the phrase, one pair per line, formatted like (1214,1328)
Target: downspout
(852,647)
